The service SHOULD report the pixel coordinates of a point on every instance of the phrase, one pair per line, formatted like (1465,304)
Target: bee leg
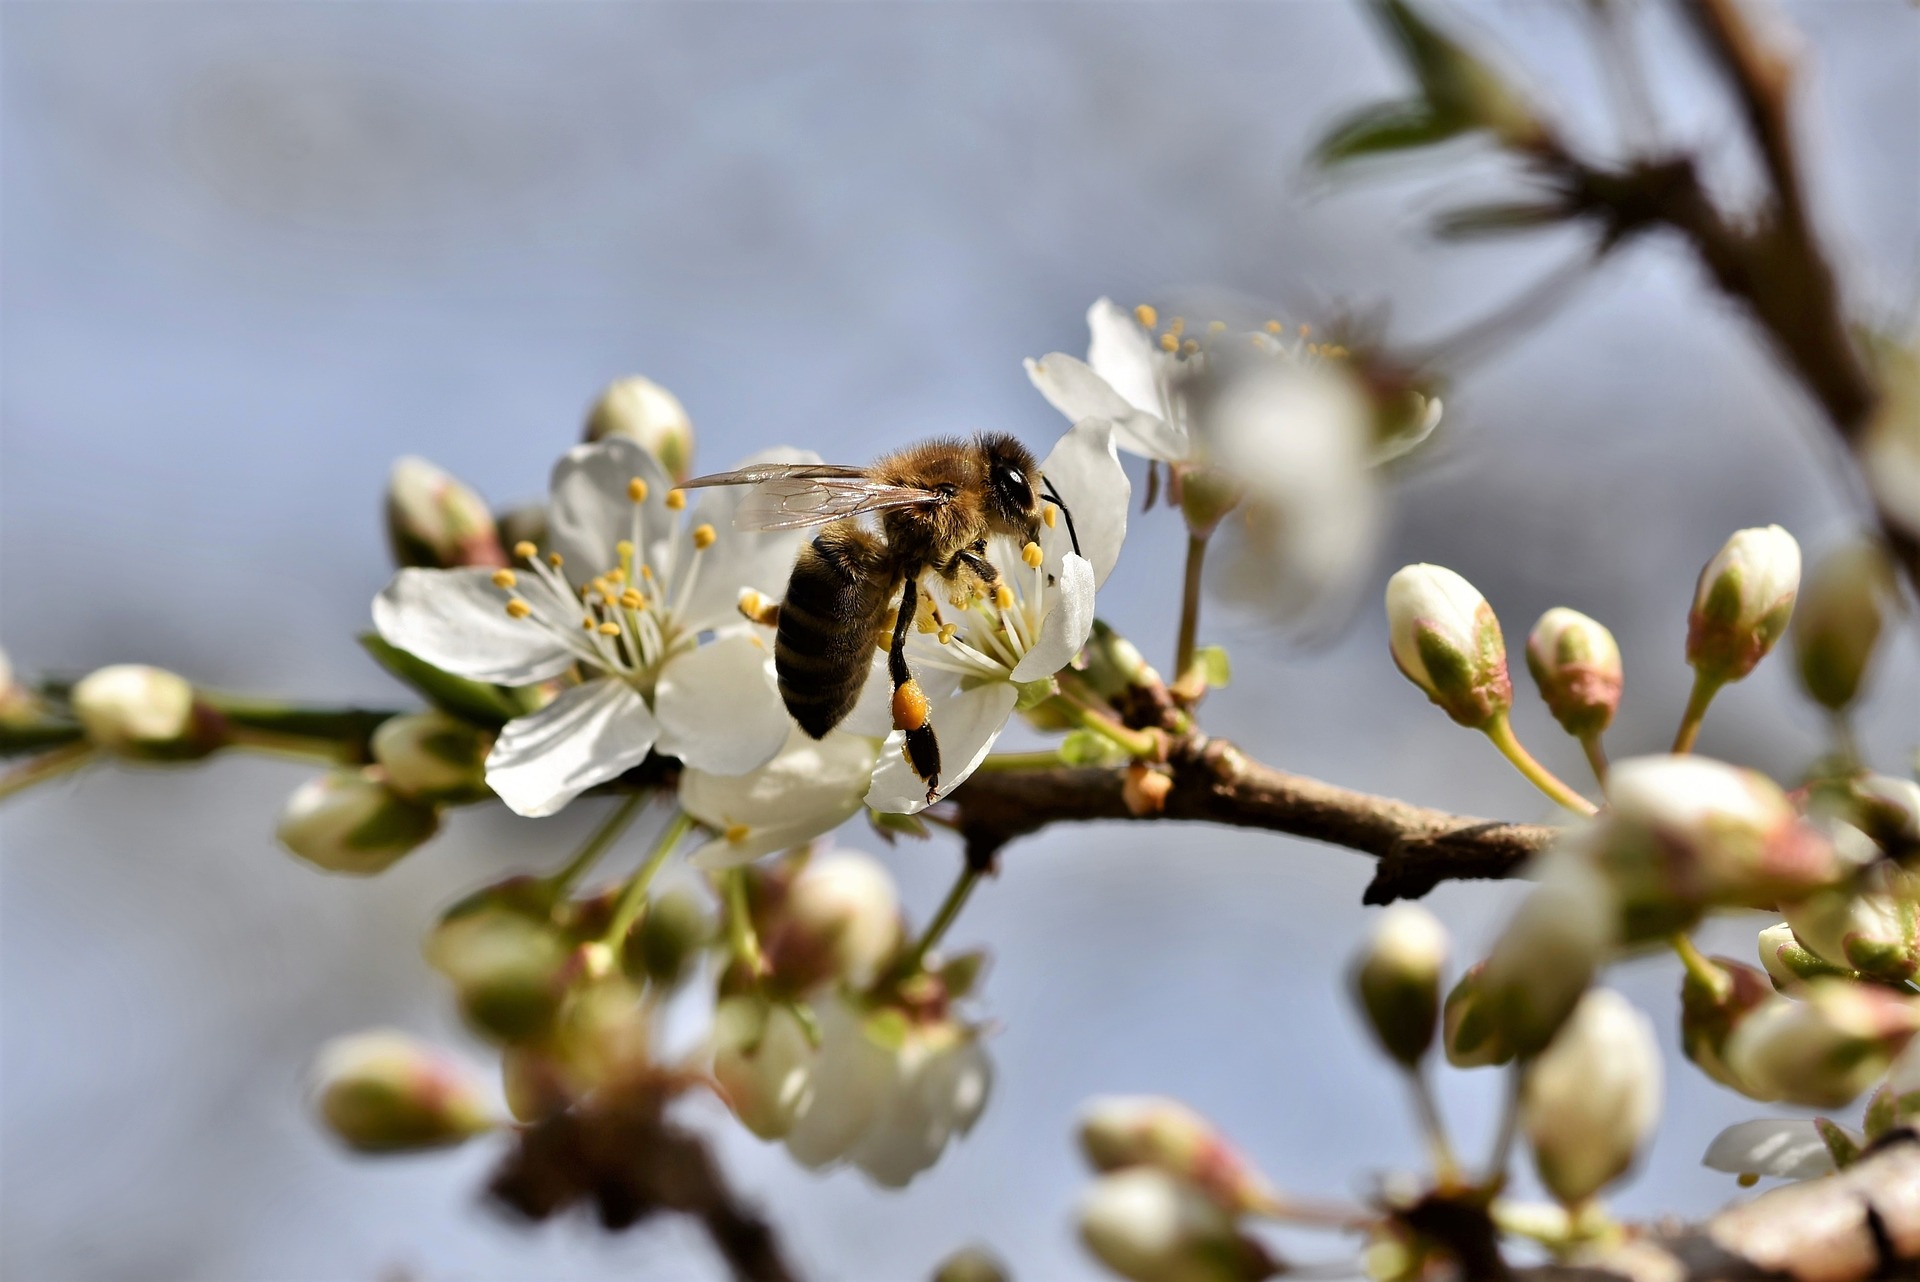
(911,713)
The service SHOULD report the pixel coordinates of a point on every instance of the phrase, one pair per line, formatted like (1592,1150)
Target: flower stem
(1446,1168)
(949,910)
(48,765)
(1135,743)
(1596,757)
(740,934)
(596,845)
(1500,730)
(1700,968)
(293,747)
(1704,688)
(1509,1127)
(633,896)
(1018,761)
(1189,606)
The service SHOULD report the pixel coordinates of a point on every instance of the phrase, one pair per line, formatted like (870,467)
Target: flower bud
(840,920)
(1742,603)
(1887,809)
(1837,622)
(1447,641)
(508,970)
(763,1063)
(430,756)
(386,1092)
(1398,980)
(1710,1012)
(1873,928)
(1470,1032)
(1149,1226)
(1144,1130)
(1546,957)
(349,821)
(1825,1050)
(1591,1098)
(603,1032)
(1114,663)
(1788,962)
(1207,495)
(1576,664)
(971,1264)
(677,926)
(537,1085)
(434,520)
(648,415)
(135,710)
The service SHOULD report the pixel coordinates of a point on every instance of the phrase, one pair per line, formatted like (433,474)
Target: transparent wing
(773,472)
(796,502)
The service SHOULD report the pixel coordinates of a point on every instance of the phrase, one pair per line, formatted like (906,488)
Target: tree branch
(1214,782)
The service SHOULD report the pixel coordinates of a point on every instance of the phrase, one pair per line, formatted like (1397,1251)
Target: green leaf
(1840,1144)
(960,974)
(1214,665)
(1494,219)
(892,826)
(1034,693)
(1090,748)
(475,701)
(36,736)
(1384,127)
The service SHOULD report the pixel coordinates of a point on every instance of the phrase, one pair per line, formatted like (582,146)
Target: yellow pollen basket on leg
(1032,555)
(910,707)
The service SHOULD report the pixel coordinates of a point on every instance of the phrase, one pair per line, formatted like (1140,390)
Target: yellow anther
(632,599)
(646,572)
(1168,343)
(518,609)
(947,631)
(616,575)
(703,535)
(1305,329)
(608,629)
(1274,327)
(555,560)
(1189,347)
(1049,516)
(588,624)
(1146,315)
(504,579)
(637,490)
(676,499)
(1177,326)
(525,550)
(1003,596)
(737,833)
(1216,327)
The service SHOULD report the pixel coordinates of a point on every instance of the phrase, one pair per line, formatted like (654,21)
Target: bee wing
(796,502)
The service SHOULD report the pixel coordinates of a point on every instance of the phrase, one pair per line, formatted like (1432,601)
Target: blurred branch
(1214,782)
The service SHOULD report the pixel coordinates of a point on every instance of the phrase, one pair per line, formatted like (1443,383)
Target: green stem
(949,909)
(1704,688)
(294,747)
(48,765)
(740,933)
(1509,1126)
(1596,757)
(1703,971)
(633,896)
(596,845)
(1018,761)
(1446,1168)
(1845,746)
(1500,731)
(1135,743)
(1189,606)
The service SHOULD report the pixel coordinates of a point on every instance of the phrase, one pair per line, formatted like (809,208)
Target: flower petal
(809,788)
(762,560)
(718,706)
(1072,387)
(457,621)
(1085,470)
(1789,1147)
(589,512)
(967,726)
(1067,625)
(587,736)
(1123,353)
(852,1078)
(941,1087)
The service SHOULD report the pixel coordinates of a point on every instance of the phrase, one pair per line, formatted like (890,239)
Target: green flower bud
(1114,664)
(386,1092)
(603,1033)
(1207,496)
(1837,621)
(1742,603)
(1822,1051)
(434,520)
(677,926)
(1592,1097)
(1872,928)
(971,1264)
(509,971)
(1576,664)
(1149,1226)
(1789,963)
(1710,1012)
(649,415)
(1470,1031)
(838,922)
(1446,640)
(1117,1132)
(132,710)
(430,756)
(1545,958)
(350,821)
(1397,980)
(536,1083)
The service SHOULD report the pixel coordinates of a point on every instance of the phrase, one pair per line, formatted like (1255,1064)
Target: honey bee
(937,503)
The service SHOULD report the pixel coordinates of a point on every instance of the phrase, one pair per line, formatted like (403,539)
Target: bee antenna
(1061,503)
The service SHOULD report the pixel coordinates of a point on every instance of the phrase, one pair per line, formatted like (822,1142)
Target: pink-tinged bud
(1447,641)
(1789,963)
(1887,809)
(1576,664)
(1117,1132)
(1742,603)
(648,415)
(1837,622)
(1544,960)
(971,1264)
(434,520)
(1710,1012)
(1397,980)
(1872,927)
(603,1032)
(508,970)
(386,1092)
(430,756)
(1823,1051)
(1592,1097)
(350,821)
(763,1063)
(839,920)
(1470,1031)
(1685,833)
(1149,1226)
(133,710)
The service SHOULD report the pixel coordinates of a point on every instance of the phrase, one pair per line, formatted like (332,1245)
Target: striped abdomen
(836,601)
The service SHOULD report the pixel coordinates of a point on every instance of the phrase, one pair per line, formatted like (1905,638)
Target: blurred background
(252,253)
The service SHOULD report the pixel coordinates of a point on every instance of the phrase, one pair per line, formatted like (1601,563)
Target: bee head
(1013,485)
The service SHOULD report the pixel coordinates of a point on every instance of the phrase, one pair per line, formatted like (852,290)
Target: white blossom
(809,788)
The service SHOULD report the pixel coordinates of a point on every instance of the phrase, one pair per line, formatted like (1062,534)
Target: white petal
(852,1078)
(1789,1147)
(718,706)
(1123,353)
(942,1085)
(457,621)
(1085,470)
(1071,387)
(589,511)
(966,725)
(809,788)
(588,735)
(761,560)
(1067,625)
(872,715)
